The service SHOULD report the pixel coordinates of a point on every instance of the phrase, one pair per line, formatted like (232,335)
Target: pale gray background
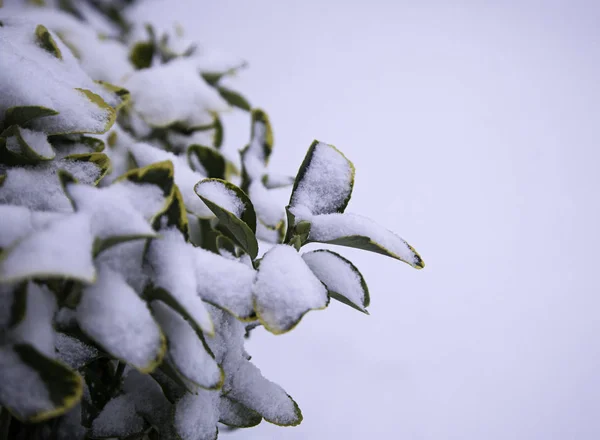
(473,127)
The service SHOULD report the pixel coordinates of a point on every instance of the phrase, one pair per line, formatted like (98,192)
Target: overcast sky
(474,129)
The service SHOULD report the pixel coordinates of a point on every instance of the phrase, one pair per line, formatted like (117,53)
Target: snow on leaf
(175,280)
(360,232)
(21,115)
(118,419)
(342,279)
(325,180)
(234,414)
(268,399)
(186,350)
(286,289)
(62,249)
(274,180)
(113,218)
(28,145)
(74,352)
(224,283)
(173,92)
(33,387)
(233,209)
(185,178)
(267,209)
(112,314)
(38,187)
(38,78)
(196,416)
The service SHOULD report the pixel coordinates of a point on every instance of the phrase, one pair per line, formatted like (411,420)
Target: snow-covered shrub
(130,269)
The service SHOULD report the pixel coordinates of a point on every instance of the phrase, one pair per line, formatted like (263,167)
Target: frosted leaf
(111,313)
(174,270)
(217,192)
(234,414)
(196,416)
(173,92)
(228,343)
(233,209)
(63,249)
(36,327)
(267,209)
(113,217)
(127,259)
(33,387)
(185,348)
(21,388)
(274,180)
(357,231)
(343,281)
(73,352)
(285,289)
(185,178)
(324,182)
(32,145)
(261,143)
(146,198)
(224,283)
(270,235)
(118,419)
(268,399)
(38,187)
(38,77)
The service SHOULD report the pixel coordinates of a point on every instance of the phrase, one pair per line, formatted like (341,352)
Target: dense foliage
(132,250)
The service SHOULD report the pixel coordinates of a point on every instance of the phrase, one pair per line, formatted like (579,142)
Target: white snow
(267,398)
(173,92)
(38,187)
(112,216)
(72,351)
(38,78)
(174,270)
(185,348)
(329,227)
(63,249)
(265,205)
(218,193)
(118,419)
(36,141)
(327,181)
(112,314)
(36,328)
(185,177)
(224,283)
(338,275)
(285,289)
(21,388)
(196,416)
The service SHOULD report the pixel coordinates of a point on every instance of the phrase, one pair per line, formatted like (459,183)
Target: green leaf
(264,135)
(123,95)
(21,115)
(160,173)
(243,229)
(218,135)
(63,386)
(212,162)
(226,244)
(46,42)
(234,99)
(141,54)
(343,280)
